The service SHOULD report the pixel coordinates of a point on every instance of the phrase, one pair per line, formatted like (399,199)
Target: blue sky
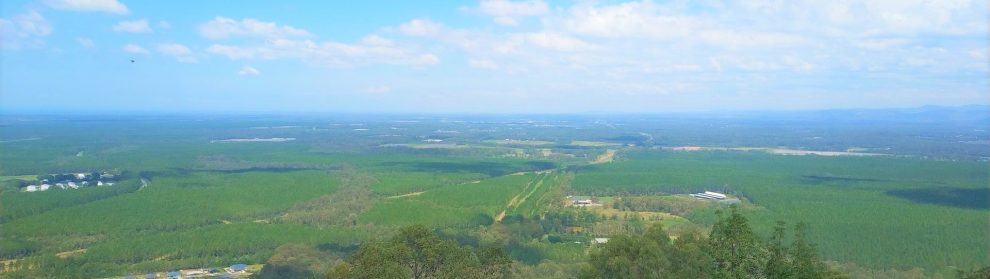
(493,56)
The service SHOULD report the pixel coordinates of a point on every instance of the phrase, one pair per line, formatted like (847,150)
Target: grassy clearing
(606,157)
(540,194)
(433,145)
(780,151)
(460,205)
(586,143)
(398,183)
(5,178)
(406,195)
(520,142)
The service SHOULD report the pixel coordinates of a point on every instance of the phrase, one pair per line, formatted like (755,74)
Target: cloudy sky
(531,56)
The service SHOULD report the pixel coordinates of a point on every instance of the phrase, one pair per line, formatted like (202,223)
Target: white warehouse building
(709,195)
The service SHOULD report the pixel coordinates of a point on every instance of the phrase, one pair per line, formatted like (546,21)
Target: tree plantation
(492,197)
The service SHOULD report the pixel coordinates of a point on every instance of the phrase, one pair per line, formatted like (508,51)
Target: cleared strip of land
(778,151)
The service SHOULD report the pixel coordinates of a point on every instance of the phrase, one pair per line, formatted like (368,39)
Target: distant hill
(969,114)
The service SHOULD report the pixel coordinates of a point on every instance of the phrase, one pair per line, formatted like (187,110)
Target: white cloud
(798,63)
(911,16)
(222,28)
(85,42)
(133,26)
(420,28)
(486,64)
(506,12)
(236,52)
(880,43)
(425,59)
(33,23)
(25,30)
(375,40)
(333,54)
(164,25)
(136,49)
(106,6)
(248,71)
(738,39)
(633,19)
(174,49)
(715,63)
(179,51)
(558,42)
(378,89)
(979,54)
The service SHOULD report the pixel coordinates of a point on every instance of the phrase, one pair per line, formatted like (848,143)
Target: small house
(31,188)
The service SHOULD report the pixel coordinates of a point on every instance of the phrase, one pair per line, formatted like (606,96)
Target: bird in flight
(132,60)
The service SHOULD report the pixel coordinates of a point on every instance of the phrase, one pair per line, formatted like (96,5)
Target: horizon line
(21,112)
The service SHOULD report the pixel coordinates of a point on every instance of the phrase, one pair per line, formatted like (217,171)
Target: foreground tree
(806,264)
(982,273)
(652,255)
(418,252)
(294,261)
(778,264)
(732,250)
(737,251)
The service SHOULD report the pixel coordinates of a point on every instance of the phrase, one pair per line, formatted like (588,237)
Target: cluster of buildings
(72,181)
(583,201)
(233,271)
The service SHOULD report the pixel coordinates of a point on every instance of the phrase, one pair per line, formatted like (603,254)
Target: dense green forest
(353,196)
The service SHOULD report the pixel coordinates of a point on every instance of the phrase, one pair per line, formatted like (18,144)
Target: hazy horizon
(490,56)
(756,113)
